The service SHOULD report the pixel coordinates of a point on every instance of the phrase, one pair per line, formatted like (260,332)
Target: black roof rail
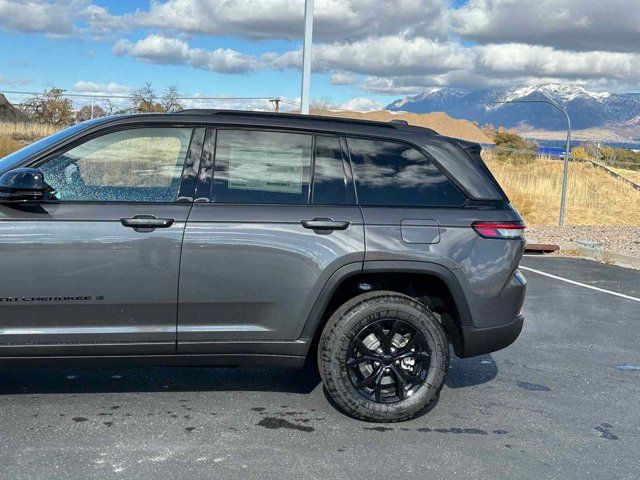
(397,124)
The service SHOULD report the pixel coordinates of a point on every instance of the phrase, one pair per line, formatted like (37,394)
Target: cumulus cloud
(383,56)
(612,25)
(334,19)
(95,88)
(56,17)
(342,78)
(173,51)
(519,59)
(361,104)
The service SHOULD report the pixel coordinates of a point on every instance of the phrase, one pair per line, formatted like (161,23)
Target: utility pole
(567,151)
(276,104)
(306,57)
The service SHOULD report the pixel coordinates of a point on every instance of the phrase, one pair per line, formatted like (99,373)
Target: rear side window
(253,166)
(329,179)
(395,174)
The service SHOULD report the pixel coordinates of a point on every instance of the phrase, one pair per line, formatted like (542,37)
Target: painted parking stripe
(573,282)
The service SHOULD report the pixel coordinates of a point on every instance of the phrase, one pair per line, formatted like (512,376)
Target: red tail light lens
(506,230)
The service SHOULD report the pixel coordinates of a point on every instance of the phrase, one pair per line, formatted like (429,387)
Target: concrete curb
(601,255)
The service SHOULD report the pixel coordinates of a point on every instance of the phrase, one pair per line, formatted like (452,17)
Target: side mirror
(22,185)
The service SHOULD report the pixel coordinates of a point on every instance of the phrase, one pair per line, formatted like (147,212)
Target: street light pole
(306,57)
(567,152)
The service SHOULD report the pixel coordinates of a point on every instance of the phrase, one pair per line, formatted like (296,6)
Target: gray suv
(235,238)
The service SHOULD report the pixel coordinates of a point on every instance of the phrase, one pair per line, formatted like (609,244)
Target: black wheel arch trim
(380,266)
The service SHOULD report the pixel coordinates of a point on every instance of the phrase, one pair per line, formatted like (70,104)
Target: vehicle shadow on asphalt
(467,372)
(65,379)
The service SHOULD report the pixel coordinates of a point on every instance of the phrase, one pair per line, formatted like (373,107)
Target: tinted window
(261,167)
(137,165)
(329,183)
(390,173)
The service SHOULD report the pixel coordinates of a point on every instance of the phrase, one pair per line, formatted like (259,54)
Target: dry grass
(16,135)
(633,175)
(593,196)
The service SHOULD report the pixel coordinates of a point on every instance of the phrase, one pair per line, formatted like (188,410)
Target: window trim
(420,150)
(75,142)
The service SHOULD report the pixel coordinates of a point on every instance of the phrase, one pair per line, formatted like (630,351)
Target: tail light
(506,230)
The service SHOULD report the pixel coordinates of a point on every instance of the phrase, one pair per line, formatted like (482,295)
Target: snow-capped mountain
(587,109)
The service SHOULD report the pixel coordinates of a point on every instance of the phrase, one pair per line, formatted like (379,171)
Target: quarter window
(261,167)
(395,174)
(137,165)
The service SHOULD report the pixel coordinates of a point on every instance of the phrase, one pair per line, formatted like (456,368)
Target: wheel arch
(432,284)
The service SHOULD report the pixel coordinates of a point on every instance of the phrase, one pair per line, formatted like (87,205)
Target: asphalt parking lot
(562,402)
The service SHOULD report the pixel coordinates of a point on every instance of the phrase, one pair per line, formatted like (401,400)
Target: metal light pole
(306,56)
(565,173)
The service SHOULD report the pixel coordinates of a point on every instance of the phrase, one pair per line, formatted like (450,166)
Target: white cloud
(94,88)
(342,78)
(384,56)
(362,104)
(334,19)
(173,51)
(56,17)
(612,25)
(527,60)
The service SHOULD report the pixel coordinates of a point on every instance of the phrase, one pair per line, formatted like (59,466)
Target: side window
(394,174)
(330,186)
(254,166)
(136,165)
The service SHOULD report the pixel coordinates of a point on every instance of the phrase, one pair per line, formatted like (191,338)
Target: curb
(605,256)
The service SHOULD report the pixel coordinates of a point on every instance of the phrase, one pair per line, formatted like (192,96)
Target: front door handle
(146,223)
(325,225)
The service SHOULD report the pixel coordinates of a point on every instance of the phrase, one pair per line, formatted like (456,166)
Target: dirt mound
(438,121)
(9,113)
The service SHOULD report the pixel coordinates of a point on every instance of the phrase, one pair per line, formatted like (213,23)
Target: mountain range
(613,112)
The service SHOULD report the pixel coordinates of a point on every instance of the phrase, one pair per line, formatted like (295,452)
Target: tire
(379,313)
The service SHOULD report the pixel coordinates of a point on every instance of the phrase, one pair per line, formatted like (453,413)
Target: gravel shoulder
(622,240)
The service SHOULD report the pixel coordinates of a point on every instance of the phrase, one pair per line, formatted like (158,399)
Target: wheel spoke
(406,350)
(408,377)
(358,360)
(377,390)
(400,384)
(380,335)
(374,377)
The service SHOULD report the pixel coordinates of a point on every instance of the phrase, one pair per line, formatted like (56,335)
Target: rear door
(94,270)
(264,236)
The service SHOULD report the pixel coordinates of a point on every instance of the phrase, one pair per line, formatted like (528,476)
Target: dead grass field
(633,175)
(17,135)
(593,197)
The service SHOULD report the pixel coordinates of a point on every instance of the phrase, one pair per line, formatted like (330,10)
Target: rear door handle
(146,223)
(325,225)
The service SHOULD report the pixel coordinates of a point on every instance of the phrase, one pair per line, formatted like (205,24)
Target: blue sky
(366,52)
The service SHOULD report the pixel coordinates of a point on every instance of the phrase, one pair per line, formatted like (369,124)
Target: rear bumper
(479,341)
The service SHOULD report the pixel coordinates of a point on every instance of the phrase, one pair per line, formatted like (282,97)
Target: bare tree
(323,104)
(144,100)
(51,107)
(170,99)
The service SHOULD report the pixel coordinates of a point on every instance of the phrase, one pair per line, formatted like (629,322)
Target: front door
(256,257)
(94,269)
